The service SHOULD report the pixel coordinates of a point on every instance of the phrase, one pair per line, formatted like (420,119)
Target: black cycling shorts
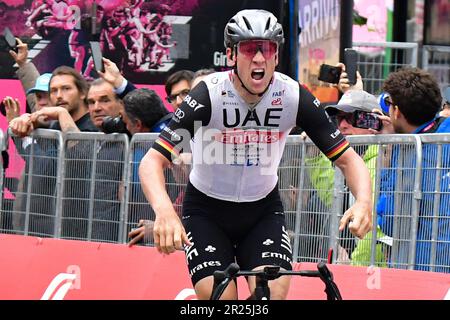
(251,234)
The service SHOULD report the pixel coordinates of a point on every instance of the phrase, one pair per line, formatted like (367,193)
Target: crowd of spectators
(63,100)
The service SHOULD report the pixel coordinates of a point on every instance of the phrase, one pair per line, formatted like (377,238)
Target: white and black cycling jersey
(237,147)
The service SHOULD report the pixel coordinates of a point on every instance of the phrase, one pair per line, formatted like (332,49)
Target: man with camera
(353,115)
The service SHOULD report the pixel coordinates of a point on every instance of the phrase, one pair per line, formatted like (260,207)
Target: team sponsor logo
(193,103)
(179,114)
(173,135)
(190,250)
(228,93)
(335,134)
(206,264)
(277,102)
(316,102)
(276,255)
(285,241)
(233,117)
(278,94)
(248,136)
(230,103)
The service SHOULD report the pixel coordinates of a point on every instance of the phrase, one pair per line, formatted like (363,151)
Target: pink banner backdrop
(376,13)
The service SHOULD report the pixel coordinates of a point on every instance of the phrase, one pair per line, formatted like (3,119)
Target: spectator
(40,90)
(323,179)
(177,87)
(28,74)
(69,113)
(39,200)
(144,111)
(414,99)
(103,102)
(69,110)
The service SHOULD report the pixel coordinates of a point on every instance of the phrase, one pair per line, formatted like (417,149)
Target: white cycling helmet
(252,24)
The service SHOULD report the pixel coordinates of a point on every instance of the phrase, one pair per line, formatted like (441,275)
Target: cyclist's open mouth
(258,74)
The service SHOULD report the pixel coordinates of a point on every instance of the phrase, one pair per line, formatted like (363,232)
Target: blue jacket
(390,197)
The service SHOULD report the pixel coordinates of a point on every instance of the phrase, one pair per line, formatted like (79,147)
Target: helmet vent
(268,24)
(249,26)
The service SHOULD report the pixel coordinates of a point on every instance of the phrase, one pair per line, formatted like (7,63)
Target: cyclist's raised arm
(168,232)
(359,215)
(314,120)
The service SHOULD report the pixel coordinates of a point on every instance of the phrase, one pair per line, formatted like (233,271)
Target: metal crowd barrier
(436,60)
(86,186)
(377,60)
(402,191)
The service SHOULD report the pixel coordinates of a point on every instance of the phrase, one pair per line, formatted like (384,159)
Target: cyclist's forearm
(151,174)
(357,176)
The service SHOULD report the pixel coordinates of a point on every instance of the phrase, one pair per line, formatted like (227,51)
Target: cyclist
(238,121)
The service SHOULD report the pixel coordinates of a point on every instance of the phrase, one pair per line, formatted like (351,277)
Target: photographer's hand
(22,54)
(387,128)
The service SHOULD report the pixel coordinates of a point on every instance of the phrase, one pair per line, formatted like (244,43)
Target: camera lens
(113,125)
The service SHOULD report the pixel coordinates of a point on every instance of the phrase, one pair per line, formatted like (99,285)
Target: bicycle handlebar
(223,278)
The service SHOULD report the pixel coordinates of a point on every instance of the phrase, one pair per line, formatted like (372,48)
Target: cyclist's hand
(169,233)
(359,219)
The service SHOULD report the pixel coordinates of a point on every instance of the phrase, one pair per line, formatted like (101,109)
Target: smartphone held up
(10,39)
(97,56)
(351,65)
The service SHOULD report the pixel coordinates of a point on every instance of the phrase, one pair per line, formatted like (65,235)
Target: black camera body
(329,73)
(114,125)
